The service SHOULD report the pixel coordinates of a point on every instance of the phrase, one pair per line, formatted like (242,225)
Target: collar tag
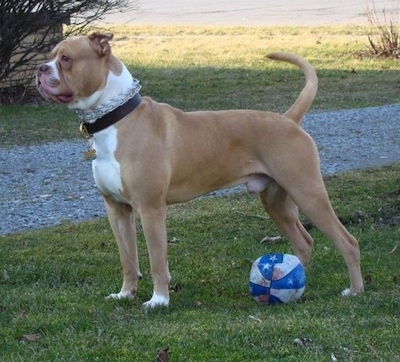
(84,131)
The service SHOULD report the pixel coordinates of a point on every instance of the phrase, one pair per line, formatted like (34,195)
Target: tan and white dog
(150,155)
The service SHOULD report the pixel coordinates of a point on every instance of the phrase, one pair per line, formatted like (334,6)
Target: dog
(150,155)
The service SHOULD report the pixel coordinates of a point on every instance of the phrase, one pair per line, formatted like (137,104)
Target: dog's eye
(65,58)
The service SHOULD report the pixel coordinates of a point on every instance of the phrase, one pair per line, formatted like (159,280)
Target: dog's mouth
(64,98)
(50,95)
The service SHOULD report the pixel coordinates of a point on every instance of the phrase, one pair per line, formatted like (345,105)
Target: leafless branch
(28,28)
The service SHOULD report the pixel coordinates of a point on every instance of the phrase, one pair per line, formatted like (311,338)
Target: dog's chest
(106,168)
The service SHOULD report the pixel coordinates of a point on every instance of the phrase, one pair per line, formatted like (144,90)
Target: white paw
(156,301)
(347,293)
(121,295)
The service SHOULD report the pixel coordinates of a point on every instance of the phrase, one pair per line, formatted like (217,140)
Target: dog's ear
(100,42)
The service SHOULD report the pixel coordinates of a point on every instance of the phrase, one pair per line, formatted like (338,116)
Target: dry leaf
(394,249)
(302,341)
(256,319)
(271,239)
(368,279)
(5,276)
(176,287)
(347,350)
(30,337)
(162,355)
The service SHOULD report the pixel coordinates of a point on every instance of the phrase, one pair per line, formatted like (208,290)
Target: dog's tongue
(64,98)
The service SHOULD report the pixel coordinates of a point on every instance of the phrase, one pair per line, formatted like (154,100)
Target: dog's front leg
(122,223)
(155,231)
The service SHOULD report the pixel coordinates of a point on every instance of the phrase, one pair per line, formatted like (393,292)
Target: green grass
(25,125)
(58,277)
(219,68)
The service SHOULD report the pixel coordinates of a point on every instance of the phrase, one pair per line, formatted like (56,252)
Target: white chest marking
(106,169)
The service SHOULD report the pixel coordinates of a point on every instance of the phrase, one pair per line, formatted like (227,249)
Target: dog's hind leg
(315,204)
(121,218)
(313,200)
(284,213)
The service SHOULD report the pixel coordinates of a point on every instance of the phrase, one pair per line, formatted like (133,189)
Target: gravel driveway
(45,185)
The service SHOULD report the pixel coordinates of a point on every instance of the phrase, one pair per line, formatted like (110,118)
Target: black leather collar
(88,129)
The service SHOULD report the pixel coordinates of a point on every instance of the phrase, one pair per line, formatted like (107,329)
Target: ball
(276,279)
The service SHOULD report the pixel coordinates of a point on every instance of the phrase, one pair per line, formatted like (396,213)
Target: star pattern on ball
(273,258)
(266,266)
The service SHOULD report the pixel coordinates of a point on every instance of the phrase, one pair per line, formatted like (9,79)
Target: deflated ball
(276,279)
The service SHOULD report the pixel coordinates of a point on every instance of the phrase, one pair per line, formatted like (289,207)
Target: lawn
(53,281)
(52,291)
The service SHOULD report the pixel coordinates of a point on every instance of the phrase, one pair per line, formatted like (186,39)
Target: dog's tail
(307,95)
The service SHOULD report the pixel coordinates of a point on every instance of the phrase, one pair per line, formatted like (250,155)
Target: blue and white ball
(276,279)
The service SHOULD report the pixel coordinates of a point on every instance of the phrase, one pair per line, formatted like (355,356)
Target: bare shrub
(30,28)
(385,38)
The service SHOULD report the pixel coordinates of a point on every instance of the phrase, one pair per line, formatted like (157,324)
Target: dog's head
(77,70)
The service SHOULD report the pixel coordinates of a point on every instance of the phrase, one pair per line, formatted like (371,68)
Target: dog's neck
(108,105)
